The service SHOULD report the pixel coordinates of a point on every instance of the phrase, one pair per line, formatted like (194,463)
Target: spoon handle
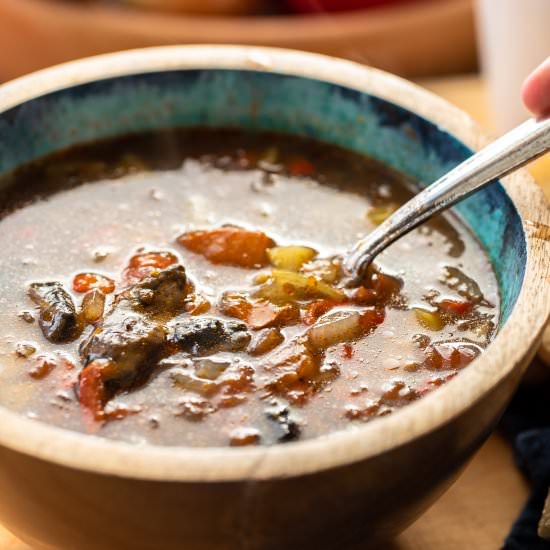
(511,151)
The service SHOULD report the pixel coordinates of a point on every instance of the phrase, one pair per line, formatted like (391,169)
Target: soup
(186,288)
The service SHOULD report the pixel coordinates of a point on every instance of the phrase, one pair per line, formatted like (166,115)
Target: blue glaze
(257,100)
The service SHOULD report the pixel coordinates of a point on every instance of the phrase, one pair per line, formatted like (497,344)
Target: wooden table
(479,509)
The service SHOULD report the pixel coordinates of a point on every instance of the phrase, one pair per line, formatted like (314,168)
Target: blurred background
(407,37)
(475,53)
(417,39)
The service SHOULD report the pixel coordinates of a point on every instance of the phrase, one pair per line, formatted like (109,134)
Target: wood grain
(476,512)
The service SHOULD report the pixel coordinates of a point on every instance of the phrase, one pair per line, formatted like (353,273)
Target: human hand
(535,91)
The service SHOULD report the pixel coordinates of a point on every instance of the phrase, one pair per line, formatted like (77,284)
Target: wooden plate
(412,39)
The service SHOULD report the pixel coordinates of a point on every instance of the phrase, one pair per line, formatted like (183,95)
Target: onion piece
(93,306)
(335,327)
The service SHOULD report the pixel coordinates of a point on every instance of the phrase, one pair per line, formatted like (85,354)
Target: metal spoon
(509,152)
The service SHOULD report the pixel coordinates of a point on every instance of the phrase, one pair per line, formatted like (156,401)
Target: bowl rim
(506,354)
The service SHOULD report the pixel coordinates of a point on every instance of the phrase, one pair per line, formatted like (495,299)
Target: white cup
(514,37)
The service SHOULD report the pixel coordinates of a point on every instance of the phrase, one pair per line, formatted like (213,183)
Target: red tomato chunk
(84,282)
(229,246)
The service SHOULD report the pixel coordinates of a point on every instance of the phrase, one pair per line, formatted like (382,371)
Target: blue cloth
(527,424)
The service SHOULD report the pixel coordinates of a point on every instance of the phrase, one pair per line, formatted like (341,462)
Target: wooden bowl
(67,490)
(411,39)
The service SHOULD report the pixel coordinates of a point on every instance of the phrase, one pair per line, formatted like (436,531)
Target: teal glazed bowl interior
(261,100)
(345,490)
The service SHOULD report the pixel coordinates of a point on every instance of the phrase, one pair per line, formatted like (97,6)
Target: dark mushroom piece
(286,426)
(161,294)
(206,335)
(128,347)
(58,318)
(124,349)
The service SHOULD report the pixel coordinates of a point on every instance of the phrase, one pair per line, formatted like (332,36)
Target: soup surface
(186,288)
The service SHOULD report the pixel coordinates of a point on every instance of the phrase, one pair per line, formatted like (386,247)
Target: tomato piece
(92,393)
(371,318)
(264,314)
(377,287)
(197,304)
(456,307)
(259,314)
(241,380)
(300,376)
(84,282)
(143,264)
(318,308)
(347,351)
(450,355)
(235,305)
(433,360)
(158,260)
(229,246)
(296,361)
(300,166)
(41,366)
(461,357)
(242,436)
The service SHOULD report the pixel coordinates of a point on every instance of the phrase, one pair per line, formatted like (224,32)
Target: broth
(252,343)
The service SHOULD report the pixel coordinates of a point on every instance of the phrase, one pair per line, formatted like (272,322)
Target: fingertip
(535,91)
(527,93)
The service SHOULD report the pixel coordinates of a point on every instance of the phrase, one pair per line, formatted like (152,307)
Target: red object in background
(317,6)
